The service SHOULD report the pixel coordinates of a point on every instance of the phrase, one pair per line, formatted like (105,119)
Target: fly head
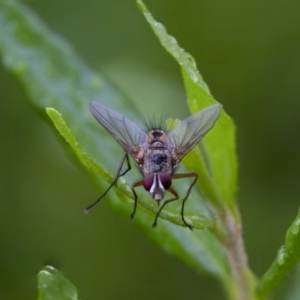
(156,184)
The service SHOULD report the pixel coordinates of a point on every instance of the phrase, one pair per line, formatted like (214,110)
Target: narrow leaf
(54,76)
(217,162)
(287,258)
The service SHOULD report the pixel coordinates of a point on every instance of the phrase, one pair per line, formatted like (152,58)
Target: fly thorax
(157,184)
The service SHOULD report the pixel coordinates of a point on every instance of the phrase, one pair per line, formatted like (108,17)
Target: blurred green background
(248,53)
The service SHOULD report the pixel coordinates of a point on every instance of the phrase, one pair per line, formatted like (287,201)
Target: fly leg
(118,175)
(172,191)
(187,175)
(137,184)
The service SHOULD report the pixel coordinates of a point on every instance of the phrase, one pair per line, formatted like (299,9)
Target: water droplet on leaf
(296,227)
(281,256)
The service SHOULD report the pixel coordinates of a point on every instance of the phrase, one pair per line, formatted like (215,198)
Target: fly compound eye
(148,181)
(165,180)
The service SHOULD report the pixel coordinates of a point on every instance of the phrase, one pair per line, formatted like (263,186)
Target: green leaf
(287,258)
(217,162)
(54,76)
(52,285)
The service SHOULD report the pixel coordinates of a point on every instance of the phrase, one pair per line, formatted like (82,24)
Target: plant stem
(242,284)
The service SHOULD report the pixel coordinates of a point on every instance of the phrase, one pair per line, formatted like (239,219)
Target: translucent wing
(190,131)
(127,133)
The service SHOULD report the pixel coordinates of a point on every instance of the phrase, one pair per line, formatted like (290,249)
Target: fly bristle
(156,123)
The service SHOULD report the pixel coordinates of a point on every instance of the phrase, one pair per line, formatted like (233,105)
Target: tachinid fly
(156,153)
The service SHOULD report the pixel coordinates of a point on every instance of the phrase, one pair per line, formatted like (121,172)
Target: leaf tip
(142,6)
(51,111)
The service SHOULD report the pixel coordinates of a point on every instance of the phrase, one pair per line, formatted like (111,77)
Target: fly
(156,152)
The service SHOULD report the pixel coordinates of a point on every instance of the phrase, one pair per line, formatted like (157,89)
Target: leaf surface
(54,77)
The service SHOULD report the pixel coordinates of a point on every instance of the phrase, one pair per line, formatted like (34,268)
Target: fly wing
(127,133)
(185,136)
